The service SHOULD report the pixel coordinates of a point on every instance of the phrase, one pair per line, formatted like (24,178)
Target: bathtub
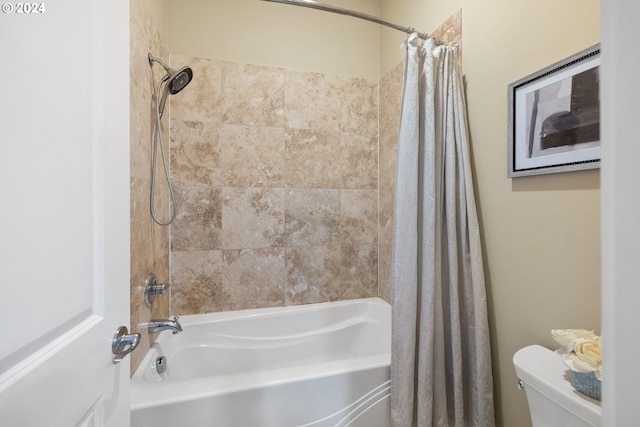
(315,365)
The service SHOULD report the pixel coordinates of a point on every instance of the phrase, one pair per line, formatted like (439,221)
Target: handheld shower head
(179,79)
(174,80)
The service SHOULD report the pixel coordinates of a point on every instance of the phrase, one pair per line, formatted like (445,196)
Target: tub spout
(159,325)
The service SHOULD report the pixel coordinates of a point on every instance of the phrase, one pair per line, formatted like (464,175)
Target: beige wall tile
(198,224)
(387,162)
(196,282)
(161,201)
(141,231)
(200,100)
(359,217)
(195,153)
(252,217)
(253,156)
(140,130)
(149,242)
(359,272)
(313,101)
(140,41)
(312,217)
(253,278)
(313,274)
(139,314)
(359,160)
(390,105)
(252,95)
(450,31)
(158,144)
(313,158)
(385,242)
(359,106)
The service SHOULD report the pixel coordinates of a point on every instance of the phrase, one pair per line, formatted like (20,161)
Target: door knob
(123,343)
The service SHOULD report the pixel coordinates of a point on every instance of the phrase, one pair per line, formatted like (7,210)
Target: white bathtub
(315,365)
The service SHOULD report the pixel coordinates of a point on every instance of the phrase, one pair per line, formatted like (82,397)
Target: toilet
(552,400)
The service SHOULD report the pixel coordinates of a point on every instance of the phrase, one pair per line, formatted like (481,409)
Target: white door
(64,212)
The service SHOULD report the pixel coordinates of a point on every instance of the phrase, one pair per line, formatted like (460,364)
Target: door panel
(64,260)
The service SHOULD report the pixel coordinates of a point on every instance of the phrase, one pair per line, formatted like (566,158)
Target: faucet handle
(152,288)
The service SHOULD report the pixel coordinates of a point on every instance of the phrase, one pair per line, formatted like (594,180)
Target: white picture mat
(572,154)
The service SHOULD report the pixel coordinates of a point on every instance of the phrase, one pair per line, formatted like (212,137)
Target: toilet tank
(552,400)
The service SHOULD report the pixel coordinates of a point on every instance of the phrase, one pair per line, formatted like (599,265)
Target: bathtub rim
(196,319)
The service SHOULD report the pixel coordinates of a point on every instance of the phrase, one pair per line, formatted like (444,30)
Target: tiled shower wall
(390,99)
(281,197)
(276,178)
(149,242)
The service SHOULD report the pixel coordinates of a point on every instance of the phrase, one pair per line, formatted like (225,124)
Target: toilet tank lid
(542,369)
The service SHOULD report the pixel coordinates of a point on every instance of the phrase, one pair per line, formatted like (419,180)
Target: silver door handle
(123,343)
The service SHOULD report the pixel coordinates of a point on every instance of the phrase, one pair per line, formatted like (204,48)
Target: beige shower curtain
(441,362)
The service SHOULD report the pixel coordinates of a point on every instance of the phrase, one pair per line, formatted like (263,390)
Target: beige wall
(265,33)
(541,234)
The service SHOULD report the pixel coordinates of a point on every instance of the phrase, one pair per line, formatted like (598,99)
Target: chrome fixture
(159,325)
(123,343)
(152,288)
(161,364)
(174,81)
(344,11)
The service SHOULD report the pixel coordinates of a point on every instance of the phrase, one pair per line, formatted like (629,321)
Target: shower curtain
(441,362)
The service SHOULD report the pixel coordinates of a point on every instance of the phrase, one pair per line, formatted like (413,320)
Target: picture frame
(554,117)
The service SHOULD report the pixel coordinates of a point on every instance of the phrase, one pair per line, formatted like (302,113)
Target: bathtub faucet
(159,325)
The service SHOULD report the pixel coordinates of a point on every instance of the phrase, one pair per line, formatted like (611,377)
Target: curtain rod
(344,11)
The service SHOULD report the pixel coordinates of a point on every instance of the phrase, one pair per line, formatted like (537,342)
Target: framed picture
(554,117)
